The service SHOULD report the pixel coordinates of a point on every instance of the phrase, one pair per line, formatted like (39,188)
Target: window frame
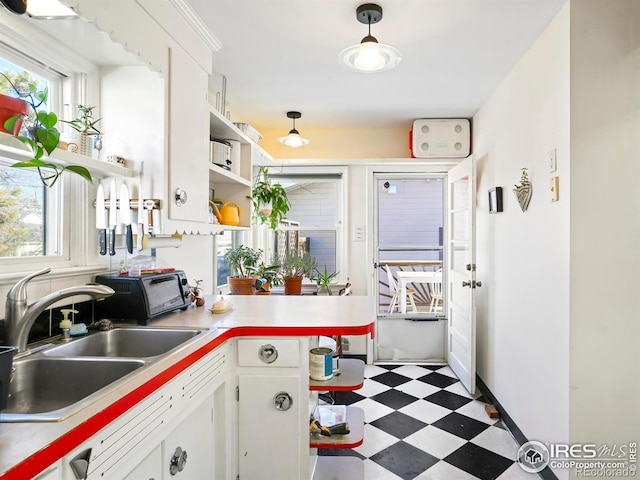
(341,213)
(73,193)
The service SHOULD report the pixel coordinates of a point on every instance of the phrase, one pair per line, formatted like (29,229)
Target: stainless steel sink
(124,342)
(56,381)
(49,389)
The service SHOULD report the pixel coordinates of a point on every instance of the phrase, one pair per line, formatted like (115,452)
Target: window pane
(30,214)
(313,203)
(320,244)
(23,211)
(223,243)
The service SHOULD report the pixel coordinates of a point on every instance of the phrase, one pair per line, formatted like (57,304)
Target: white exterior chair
(395,294)
(436,293)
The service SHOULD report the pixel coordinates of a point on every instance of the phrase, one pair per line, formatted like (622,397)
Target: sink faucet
(20,317)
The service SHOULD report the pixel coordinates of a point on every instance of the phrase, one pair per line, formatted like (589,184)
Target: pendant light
(369,55)
(294,140)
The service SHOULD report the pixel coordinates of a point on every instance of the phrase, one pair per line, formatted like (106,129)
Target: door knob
(472,284)
(282,401)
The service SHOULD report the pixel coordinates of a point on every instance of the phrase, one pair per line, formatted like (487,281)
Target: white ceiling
(280,55)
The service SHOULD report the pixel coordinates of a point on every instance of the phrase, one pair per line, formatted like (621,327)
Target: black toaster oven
(144,297)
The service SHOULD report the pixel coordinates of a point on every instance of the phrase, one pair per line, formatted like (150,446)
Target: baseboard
(547,473)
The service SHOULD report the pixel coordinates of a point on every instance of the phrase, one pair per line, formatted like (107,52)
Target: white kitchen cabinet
(184,404)
(150,468)
(188,451)
(187,131)
(273,417)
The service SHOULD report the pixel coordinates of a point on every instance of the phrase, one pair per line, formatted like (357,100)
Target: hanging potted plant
(293,269)
(43,136)
(88,135)
(270,202)
(241,260)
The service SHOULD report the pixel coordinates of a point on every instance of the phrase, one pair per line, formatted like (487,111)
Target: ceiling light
(48,10)
(369,55)
(294,140)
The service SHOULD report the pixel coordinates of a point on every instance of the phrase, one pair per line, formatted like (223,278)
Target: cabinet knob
(178,461)
(282,401)
(268,353)
(180,197)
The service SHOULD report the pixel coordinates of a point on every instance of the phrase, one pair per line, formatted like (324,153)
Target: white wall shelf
(12,148)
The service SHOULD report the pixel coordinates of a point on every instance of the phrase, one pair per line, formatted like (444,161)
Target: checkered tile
(422,424)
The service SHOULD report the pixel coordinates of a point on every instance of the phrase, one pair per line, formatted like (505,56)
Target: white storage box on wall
(435,137)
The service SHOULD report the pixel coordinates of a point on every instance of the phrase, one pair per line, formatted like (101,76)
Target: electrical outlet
(553,161)
(554,189)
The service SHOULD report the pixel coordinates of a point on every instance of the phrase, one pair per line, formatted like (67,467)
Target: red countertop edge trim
(39,461)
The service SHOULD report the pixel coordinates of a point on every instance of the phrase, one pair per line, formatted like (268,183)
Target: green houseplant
(242,261)
(323,280)
(85,126)
(196,293)
(270,202)
(294,267)
(267,276)
(43,135)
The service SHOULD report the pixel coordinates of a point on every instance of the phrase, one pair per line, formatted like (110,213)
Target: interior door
(461,312)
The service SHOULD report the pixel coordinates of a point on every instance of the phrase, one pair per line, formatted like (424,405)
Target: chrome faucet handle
(18,292)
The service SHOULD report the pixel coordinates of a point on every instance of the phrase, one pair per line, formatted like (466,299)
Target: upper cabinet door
(188,139)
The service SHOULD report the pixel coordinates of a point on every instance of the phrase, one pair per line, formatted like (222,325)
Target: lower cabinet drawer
(268,352)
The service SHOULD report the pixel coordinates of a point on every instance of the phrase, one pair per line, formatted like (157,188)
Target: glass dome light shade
(294,140)
(370,56)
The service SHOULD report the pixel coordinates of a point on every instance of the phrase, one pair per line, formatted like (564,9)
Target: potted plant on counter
(196,293)
(270,202)
(293,269)
(242,261)
(323,280)
(267,277)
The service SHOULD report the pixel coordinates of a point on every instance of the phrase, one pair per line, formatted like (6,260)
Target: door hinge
(471,267)
(237,394)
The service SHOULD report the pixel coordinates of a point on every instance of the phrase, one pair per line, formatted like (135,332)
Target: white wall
(605,221)
(523,258)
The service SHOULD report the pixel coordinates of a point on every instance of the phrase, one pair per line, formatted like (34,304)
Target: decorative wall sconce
(495,200)
(524,191)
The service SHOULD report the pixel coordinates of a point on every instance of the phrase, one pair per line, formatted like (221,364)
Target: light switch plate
(553,160)
(554,189)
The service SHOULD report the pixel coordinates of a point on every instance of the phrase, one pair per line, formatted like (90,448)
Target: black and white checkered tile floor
(422,424)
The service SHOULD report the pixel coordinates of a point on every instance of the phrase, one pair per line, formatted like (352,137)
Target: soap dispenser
(65,324)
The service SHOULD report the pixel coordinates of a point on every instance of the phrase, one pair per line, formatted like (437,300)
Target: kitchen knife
(101,221)
(113,218)
(125,216)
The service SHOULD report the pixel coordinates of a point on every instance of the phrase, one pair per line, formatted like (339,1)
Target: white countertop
(261,315)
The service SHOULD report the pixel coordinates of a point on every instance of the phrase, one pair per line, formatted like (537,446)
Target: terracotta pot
(292,285)
(242,286)
(10,107)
